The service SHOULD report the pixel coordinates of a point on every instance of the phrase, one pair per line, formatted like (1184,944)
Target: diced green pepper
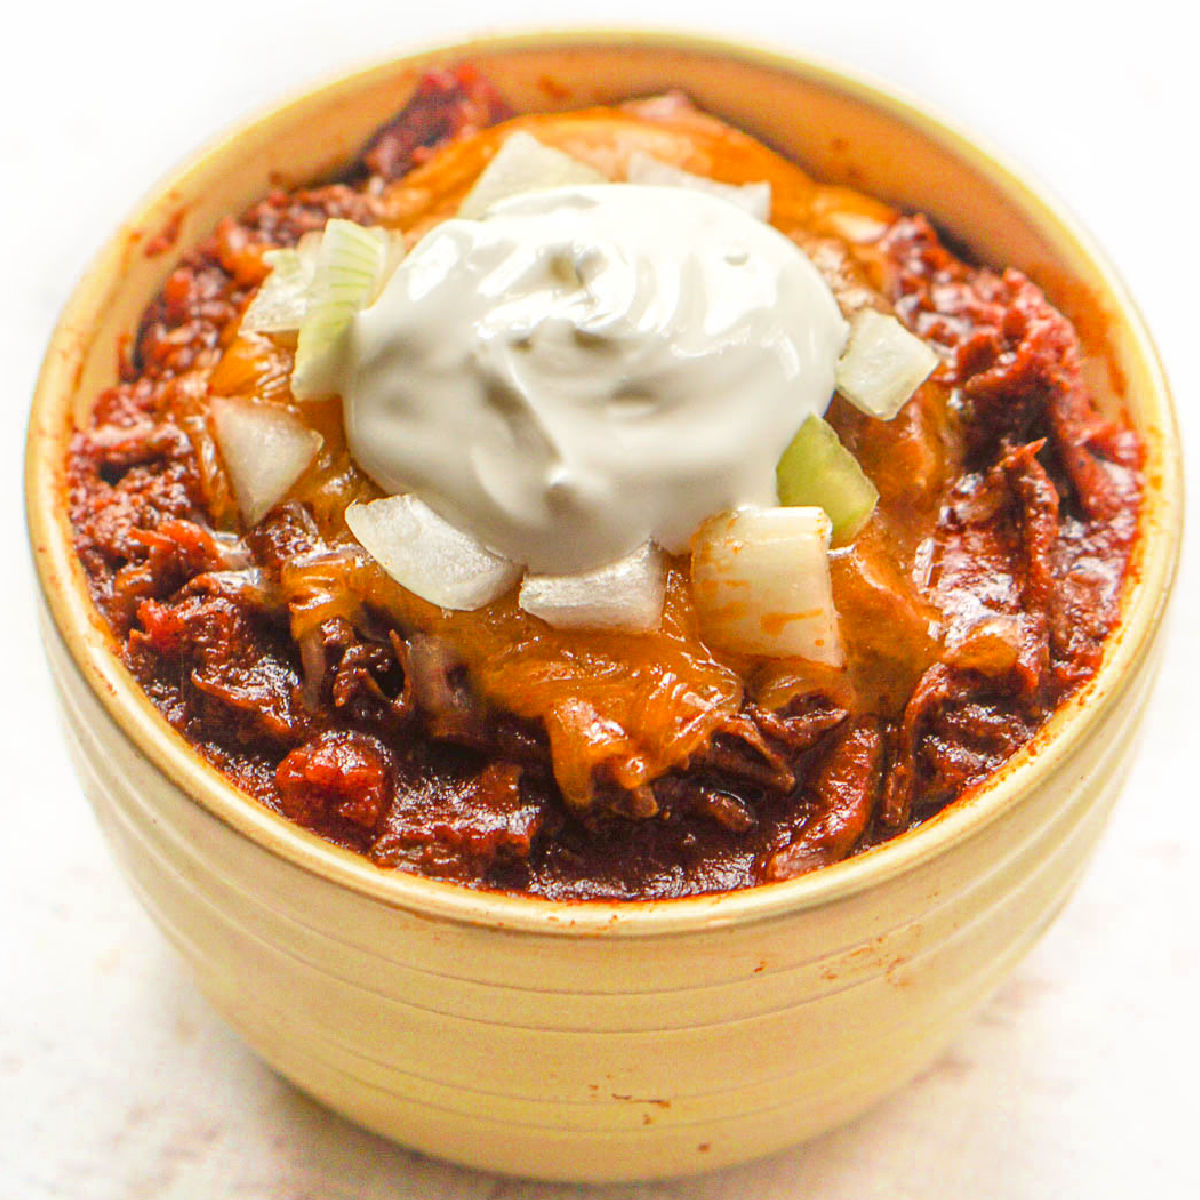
(816,469)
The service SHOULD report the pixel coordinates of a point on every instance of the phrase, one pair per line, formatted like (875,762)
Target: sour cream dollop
(590,367)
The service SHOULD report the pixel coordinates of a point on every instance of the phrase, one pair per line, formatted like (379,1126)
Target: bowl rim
(91,647)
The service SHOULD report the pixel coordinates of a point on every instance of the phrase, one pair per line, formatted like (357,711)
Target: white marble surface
(118,1083)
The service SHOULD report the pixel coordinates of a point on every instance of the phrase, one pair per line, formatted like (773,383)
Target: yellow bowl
(602,1040)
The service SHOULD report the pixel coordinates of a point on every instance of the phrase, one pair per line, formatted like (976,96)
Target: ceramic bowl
(597,1041)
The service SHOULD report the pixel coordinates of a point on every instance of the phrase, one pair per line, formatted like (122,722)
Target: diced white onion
(523,164)
(265,449)
(753,198)
(627,594)
(280,303)
(883,364)
(352,262)
(760,577)
(427,555)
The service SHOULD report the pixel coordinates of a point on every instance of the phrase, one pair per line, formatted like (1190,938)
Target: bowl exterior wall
(598,1057)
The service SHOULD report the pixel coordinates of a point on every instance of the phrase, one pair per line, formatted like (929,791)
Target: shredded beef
(459,826)
(337,776)
(1017,360)
(844,791)
(446,104)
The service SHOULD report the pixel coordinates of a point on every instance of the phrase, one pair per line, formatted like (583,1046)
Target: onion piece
(523,164)
(761,581)
(816,469)
(752,198)
(280,303)
(627,594)
(352,263)
(882,365)
(428,555)
(265,449)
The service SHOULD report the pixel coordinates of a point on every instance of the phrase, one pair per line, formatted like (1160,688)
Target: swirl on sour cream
(588,368)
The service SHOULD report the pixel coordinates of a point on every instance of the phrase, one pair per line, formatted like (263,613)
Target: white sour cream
(590,367)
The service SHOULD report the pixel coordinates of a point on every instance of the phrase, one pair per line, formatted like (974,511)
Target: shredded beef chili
(490,749)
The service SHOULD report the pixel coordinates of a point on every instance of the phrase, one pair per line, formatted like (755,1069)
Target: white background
(117,1082)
